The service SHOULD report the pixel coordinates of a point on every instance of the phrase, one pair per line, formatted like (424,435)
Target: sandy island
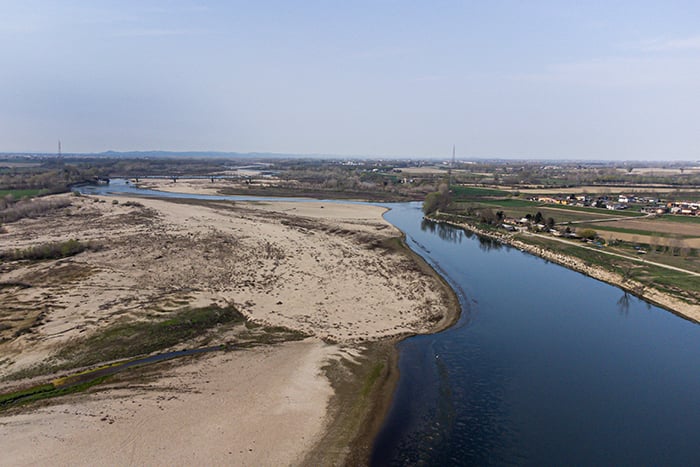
(332,271)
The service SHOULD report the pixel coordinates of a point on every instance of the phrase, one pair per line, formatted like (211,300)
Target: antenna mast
(452,163)
(59,148)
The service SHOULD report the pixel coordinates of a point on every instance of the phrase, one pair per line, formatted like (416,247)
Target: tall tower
(59,149)
(452,163)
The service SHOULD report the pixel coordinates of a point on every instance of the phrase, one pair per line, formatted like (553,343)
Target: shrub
(588,234)
(31,208)
(55,250)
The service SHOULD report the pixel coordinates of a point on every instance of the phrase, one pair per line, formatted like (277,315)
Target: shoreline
(639,290)
(354,432)
(383,394)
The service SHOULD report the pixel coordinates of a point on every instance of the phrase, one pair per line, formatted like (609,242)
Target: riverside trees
(437,200)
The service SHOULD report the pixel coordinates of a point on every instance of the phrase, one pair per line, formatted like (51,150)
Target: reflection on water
(624,303)
(452,234)
(487,244)
(445,232)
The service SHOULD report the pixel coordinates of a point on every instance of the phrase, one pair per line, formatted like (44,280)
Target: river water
(544,367)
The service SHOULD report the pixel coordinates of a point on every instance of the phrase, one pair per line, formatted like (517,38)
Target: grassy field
(666,240)
(614,189)
(678,284)
(658,225)
(682,219)
(517,207)
(17,194)
(597,211)
(510,203)
(467,192)
(613,227)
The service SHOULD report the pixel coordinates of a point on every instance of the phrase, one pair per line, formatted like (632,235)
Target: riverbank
(336,273)
(673,304)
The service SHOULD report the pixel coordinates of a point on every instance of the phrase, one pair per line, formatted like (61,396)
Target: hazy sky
(548,79)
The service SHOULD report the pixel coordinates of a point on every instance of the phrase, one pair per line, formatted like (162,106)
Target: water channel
(545,366)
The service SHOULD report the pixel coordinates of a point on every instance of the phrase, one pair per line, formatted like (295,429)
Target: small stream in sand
(545,366)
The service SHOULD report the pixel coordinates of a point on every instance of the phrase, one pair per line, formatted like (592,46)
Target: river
(544,367)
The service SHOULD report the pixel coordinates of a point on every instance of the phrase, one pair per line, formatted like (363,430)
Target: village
(645,204)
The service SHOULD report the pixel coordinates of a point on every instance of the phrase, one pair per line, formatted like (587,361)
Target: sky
(617,80)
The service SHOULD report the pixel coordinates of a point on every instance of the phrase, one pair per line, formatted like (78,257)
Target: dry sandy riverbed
(332,272)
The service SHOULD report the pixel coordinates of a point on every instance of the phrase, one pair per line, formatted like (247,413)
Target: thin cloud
(430,78)
(380,53)
(663,45)
(154,32)
(619,72)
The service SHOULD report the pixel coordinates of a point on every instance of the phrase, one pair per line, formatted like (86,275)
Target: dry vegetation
(339,280)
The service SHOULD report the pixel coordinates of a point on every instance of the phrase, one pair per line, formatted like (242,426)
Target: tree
(435,201)
(487,216)
(538,217)
(550,223)
(654,242)
(588,234)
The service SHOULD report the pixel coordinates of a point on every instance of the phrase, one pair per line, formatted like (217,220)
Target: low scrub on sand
(11,211)
(56,250)
(131,339)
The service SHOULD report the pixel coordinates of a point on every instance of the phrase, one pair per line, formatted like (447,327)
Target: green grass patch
(54,250)
(510,203)
(680,219)
(681,285)
(44,391)
(372,377)
(128,340)
(597,211)
(674,283)
(609,228)
(17,194)
(13,397)
(459,191)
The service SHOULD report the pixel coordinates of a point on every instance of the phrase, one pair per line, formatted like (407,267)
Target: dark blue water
(545,367)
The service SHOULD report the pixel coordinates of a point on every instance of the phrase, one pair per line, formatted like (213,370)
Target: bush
(31,208)
(588,234)
(55,250)
(436,201)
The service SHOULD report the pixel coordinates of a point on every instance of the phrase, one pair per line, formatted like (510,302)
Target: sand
(262,407)
(330,270)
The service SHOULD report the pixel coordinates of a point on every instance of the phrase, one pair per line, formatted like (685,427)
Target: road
(607,219)
(631,258)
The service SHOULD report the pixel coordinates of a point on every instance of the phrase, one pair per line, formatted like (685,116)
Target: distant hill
(197,154)
(157,154)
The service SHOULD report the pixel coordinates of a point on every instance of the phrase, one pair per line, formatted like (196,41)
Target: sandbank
(335,272)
